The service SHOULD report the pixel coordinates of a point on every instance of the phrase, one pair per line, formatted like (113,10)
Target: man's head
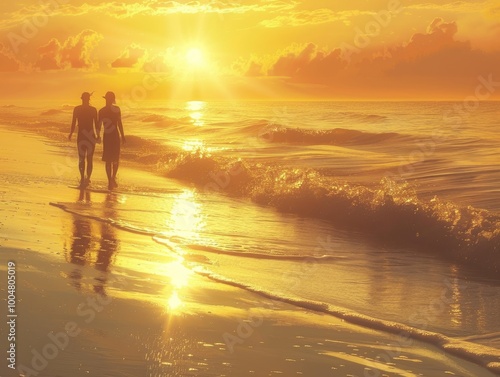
(86,96)
(110,97)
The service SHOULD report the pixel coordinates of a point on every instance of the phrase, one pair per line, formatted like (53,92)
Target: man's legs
(81,161)
(81,167)
(90,163)
(85,153)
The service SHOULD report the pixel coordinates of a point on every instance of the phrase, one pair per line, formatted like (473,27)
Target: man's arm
(73,124)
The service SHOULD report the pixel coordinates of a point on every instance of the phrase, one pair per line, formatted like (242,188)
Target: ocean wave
(137,142)
(67,207)
(52,112)
(261,256)
(256,126)
(389,213)
(154,118)
(214,173)
(369,118)
(336,136)
(42,125)
(272,132)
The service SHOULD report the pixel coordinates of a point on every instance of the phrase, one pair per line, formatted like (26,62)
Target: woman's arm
(120,126)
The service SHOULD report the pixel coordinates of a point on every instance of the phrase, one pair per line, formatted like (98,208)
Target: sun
(195,58)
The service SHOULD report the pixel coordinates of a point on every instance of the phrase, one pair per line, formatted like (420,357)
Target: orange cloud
(126,9)
(439,36)
(157,64)
(433,62)
(130,57)
(254,69)
(291,63)
(312,17)
(75,52)
(8,63)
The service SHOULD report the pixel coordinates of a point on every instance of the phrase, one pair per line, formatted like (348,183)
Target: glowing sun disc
(194,57)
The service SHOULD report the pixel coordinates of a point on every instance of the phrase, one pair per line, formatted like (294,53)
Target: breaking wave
(389,213)
(337,136)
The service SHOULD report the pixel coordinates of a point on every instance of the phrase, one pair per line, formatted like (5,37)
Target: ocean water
(383,213)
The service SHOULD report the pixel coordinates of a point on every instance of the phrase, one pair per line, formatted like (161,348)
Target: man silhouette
(110,117)
(86,116)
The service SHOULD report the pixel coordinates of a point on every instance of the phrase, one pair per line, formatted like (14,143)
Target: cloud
(439,36)
(432,61)
(8,61)
(50,56)
(75,52)
(254,69)
(168,62)
(439,58)
(130,57)
(290,63)
(323,68)
(157,64)
(312,17)
(452,6)
(160,8)
(125,9)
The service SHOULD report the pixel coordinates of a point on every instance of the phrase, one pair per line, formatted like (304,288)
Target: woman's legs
(111,170)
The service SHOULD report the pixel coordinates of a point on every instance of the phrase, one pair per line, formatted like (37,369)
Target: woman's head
(110,97)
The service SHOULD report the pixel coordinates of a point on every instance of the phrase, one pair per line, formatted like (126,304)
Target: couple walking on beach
(87,118)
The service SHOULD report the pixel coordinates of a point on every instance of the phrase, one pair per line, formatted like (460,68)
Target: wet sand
(94,300)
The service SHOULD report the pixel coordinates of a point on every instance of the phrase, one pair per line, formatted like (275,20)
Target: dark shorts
(85,147)
(111,147)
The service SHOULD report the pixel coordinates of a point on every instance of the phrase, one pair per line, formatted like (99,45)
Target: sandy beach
(94,300)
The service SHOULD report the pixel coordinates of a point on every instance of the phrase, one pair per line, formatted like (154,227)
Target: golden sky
(266,49)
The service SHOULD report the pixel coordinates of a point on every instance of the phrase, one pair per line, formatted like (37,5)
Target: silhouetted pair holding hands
(89,133)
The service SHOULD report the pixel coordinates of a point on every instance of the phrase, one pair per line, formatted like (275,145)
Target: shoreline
(479,354)
(229,331)
(164,313)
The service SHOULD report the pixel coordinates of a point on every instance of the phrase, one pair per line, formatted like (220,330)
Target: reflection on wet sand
(108,244)
(85,250)
(81,242)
